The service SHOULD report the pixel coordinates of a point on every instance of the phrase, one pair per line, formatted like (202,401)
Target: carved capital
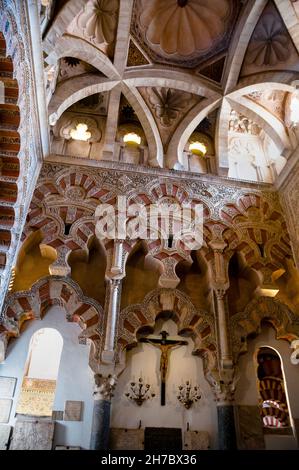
(115,284)
(3,346)
(295,353)
(60,267)
(220,292)
(217,245)
(168,278)
(223,384)
(104,386)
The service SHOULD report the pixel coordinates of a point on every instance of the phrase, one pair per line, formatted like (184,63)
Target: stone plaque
(57,415)
(5,407)
(4,436)
(73,410)
(251,434)
(32,435)
(159,439)
(126,439)
(196,440)
(7,387)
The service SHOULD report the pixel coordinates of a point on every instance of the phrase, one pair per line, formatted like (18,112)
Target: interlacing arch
(63,210)
(197,324)
(55,290)
(249,322)
(258,231)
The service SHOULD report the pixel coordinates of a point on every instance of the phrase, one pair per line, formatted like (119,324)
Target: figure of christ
(165,345)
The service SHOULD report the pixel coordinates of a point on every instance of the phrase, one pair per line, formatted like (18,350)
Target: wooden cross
(164,345)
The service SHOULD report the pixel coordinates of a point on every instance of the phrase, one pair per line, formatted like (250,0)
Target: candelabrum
(188,395)
(139,392)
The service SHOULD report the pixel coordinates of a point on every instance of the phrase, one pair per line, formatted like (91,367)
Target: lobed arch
(199,325)
(55,290)
(248,323)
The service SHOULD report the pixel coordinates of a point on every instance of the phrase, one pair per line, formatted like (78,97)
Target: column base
(108,357)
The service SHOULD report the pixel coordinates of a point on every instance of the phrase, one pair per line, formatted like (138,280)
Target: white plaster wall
(144,360)
(74,377)
(247,391)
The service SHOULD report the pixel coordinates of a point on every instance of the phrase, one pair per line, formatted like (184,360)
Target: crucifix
(164,345)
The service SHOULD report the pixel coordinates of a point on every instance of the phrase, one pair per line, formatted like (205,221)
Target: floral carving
(270,42)
(242,124)
(167,103)
(180,26)
(99,19)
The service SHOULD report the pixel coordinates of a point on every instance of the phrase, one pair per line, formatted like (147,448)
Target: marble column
(112,306)
(103,393)
(226,427)
(225,354)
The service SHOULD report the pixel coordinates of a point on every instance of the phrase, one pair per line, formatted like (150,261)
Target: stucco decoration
(99,20)
(96,23)
(167,103)
(270,46)
(72,67)
(181,27)
(272,100)
(182,30)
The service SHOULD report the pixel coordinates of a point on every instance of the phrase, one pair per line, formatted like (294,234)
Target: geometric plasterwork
(135,56)
(72,67)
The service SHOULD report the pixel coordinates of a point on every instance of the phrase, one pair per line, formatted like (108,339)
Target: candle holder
(188,395)
(139,392)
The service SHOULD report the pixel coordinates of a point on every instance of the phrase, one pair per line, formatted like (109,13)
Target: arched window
(41,371)
(273,401)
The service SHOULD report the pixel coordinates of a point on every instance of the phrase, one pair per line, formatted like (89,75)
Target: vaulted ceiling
(223,71)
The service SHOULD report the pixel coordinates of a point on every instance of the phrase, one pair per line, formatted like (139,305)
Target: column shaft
(226,427)
(100,425)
